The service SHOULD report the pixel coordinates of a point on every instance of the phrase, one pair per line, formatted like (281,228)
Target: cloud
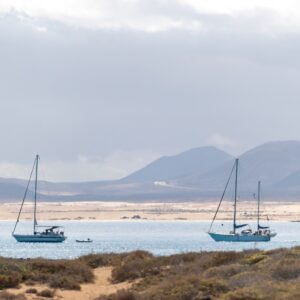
(151,16)
(41,29)
(221,141)
(161,15)
(79,91)
(116,165)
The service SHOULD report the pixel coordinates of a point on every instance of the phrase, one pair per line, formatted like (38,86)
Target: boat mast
(35,191)
(235,193)
(258,204)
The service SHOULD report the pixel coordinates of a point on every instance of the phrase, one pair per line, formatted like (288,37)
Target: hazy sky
(101,87)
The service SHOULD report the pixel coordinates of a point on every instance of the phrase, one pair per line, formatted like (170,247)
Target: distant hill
(291,182)
(11,191)
(199,160)
(271,162)
(276,164)
(196,174)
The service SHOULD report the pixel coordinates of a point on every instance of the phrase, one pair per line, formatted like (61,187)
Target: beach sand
(90,291)
(289,211)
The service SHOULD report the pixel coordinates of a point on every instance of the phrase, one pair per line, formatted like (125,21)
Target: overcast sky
(99,88)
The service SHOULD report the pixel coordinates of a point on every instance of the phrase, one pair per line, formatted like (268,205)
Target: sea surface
(158,237)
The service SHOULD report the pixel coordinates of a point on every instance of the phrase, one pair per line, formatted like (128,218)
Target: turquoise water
(158,237)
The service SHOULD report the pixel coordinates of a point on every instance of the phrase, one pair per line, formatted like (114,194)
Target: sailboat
(40,234)
(262,233)
(262,230)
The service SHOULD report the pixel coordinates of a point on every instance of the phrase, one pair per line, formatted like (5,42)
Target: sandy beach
(289,211)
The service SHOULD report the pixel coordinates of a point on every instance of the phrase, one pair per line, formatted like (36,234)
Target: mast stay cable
(24,197)
(223,195)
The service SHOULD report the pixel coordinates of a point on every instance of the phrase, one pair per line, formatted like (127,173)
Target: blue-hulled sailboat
(41,234)
(262,233)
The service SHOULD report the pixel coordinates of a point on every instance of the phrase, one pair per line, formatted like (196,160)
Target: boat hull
(39,238)
(218,237)
(79,241)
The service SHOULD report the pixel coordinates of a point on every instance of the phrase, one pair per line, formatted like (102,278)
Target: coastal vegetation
(251,274)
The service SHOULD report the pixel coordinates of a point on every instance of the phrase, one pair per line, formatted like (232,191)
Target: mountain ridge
(195,174)
(170,167)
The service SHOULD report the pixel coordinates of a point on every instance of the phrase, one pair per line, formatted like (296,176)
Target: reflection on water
(158,237)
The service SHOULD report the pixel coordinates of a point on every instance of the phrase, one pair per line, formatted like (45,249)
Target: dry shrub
(30,282)
(62,273)
(48,266)
(225,271)
(246,279)
(178,259)
(12,272)
(265,290)
(46,293)
(95,260)
(136,265)
(213,287)
(185,288)
(222,258)
(9,296)
(256,258)
(10,281)
(125,295)
(31,291)
(244,294)
(245,275)
(274,251)
(135,269)
(121,295)
(100,260)
(281,254)
(286,269)
(8,265)
(112,259)
(63,282)
(139,254)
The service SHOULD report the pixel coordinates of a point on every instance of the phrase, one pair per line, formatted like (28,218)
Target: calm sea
(158,237)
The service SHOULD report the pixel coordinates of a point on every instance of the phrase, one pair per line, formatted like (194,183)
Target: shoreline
(201,211)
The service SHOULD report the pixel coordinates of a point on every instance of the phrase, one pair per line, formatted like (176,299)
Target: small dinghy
(88,240)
